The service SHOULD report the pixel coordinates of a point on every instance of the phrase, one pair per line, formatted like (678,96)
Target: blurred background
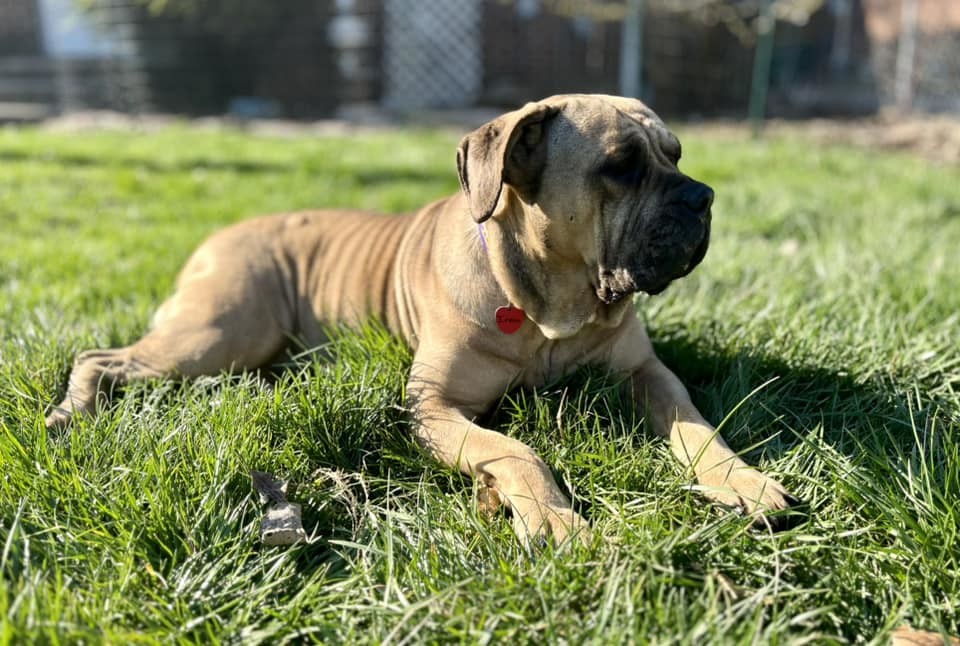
(313,59)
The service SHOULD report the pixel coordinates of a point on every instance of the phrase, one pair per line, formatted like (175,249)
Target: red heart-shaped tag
(510,318)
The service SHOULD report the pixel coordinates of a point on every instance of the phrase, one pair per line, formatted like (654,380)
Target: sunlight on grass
(831,278)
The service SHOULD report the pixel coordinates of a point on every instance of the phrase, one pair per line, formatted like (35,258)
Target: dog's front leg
(513,471)
(725,477)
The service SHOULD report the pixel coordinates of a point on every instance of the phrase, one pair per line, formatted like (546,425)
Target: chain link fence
(432,54)
(916,53)
(313,58)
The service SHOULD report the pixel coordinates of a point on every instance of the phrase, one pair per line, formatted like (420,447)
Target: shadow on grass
(373,176)
(151,165)
(799,398)
(340,431)
(370,433)
(368,175)
(768,407)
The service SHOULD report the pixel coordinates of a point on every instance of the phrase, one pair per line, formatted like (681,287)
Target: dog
(568,207)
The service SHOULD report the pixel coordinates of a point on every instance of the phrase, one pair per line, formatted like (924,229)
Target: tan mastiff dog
(580,205)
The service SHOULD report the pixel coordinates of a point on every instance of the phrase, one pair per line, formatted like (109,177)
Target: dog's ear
(510,149)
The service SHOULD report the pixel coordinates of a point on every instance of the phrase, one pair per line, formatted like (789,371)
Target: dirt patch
(352,120)
(934,137)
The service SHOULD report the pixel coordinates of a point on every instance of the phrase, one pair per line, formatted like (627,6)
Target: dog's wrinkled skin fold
(582,205)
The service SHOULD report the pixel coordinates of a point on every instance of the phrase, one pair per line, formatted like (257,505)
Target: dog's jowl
(568,207)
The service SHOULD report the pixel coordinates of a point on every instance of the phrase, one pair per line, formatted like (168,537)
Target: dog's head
(599,174)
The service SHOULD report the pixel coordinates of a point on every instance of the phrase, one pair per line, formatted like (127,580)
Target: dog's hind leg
(93,378)
(172,352)
(169,351)
(228,313)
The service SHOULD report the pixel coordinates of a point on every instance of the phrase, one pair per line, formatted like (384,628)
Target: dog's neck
(554,289)
(505,243)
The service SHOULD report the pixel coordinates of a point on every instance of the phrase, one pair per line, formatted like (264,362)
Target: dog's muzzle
(615,285)
(671,246)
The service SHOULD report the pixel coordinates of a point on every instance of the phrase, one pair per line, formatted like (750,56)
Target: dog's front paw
(759,496)
(535,522)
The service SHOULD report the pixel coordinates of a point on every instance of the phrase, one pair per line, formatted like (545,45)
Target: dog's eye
(675,153)
(671,148)
(625,166)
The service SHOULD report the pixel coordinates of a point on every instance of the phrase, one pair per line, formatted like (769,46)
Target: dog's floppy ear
(510,149)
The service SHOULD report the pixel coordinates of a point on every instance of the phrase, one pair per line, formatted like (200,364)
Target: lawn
(823,328)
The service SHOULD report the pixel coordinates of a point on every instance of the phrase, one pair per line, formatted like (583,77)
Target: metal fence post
(631,50)
(906,46)
(760,83)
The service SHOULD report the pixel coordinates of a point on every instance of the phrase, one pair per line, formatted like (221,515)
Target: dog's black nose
(698,198)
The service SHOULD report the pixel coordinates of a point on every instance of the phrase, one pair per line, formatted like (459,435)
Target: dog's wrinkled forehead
(606,124)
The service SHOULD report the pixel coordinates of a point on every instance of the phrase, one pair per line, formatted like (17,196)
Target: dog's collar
(483,237)
(509,318)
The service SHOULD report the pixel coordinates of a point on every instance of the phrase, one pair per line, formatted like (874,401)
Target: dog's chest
(555,359)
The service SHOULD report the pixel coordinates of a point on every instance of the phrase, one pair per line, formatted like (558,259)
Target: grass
(825,317)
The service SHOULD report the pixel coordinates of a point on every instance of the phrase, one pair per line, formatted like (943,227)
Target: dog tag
(510,318)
